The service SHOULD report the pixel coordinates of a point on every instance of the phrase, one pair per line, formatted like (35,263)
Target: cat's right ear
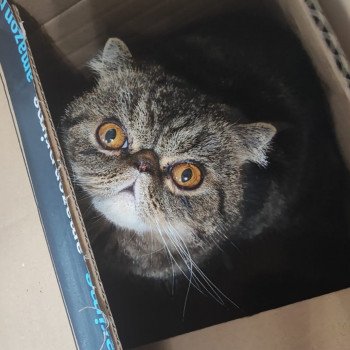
(254,141)
(115,56)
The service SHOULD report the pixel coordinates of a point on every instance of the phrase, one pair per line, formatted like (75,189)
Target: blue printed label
(19,38)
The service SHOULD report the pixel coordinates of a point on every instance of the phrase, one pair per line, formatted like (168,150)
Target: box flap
(322,323)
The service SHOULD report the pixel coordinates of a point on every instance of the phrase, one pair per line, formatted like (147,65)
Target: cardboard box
(320,323)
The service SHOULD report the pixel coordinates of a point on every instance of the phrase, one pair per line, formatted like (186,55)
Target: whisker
(148,254)
(169,255)
(172,257)
(220,233)
(187,258)
(189,282)
(87,210)
(131,238)
(196,277)
(97,218)
(212,286)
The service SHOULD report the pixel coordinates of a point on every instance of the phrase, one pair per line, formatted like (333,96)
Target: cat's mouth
(130,189)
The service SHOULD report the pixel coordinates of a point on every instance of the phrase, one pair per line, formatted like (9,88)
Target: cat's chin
(121,210)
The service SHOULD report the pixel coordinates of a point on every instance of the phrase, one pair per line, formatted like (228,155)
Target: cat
(209,164)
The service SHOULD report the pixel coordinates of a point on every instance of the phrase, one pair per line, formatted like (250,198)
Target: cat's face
(158,159)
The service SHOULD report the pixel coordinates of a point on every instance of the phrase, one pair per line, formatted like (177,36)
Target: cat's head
(159,159)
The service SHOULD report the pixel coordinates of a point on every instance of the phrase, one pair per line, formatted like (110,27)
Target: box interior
(80,28)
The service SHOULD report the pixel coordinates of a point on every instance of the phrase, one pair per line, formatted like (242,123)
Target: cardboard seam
(329,38)
(59,14)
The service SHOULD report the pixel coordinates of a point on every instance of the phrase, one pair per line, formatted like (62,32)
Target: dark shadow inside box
(268,271)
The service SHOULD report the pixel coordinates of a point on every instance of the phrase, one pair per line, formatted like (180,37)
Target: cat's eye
(111,136)
(187,176)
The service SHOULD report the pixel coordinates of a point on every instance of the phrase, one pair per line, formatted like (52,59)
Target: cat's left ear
(115,56)
(254,141)
(116,53)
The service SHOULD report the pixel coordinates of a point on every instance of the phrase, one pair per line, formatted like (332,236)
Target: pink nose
(144,166)
(145,161)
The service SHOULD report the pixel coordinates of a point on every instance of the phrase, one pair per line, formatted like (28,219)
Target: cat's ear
(116,53)
(115,56)
(254,141)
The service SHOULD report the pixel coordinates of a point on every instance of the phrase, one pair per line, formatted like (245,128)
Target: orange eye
(187,176)
(111,136)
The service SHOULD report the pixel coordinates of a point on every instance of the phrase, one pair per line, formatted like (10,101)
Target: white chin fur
(121,210)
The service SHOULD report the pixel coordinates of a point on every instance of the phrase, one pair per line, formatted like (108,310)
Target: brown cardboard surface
(34,316)
(322,323)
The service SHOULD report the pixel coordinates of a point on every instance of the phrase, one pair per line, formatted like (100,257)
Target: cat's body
(237,99)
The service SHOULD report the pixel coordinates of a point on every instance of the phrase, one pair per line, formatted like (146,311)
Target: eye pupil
(186,175)
(110,135)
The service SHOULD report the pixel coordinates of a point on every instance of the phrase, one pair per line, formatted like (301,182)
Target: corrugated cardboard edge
(329,38)
(71,199)
(338,14)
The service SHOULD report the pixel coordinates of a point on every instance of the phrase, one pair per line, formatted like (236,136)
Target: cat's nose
(146,161)
(144,166)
